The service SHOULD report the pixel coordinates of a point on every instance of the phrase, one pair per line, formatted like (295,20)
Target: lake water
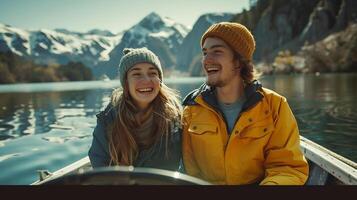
(49,125)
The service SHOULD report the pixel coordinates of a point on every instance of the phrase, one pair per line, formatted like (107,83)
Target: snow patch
(162,34)
(42,45)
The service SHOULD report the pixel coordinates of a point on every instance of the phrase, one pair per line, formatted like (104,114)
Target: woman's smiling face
(144,84)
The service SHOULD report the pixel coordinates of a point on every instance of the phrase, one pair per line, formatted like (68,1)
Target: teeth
(212,68)
(145,90)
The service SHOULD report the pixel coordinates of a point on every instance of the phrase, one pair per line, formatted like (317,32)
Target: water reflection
(36,113)
(39,112)
(325,107)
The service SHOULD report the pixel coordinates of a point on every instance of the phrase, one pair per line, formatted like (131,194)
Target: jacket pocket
(258,130)
(199,129)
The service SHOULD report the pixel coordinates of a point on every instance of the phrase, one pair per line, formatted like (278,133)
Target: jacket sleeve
(285,164)
(99,150)
(189,161)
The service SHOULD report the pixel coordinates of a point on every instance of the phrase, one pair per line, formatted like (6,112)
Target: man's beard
(215,83)
(219,82)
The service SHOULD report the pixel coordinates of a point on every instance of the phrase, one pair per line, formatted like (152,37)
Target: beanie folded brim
(235,35)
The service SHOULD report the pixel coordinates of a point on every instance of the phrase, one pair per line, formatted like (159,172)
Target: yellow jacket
(263,148)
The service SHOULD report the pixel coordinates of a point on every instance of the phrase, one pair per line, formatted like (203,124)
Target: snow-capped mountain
(100,50)
(174,43)
(159,34)
(189,52)
(57,46)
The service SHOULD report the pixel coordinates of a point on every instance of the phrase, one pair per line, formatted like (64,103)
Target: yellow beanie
(234,34)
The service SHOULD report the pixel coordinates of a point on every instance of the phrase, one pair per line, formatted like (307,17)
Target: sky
(112,15)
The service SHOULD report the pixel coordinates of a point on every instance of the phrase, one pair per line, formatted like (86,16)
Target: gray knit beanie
(134,56)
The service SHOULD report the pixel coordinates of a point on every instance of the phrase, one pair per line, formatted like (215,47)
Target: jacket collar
(208,95)
(108,115)
(253,95)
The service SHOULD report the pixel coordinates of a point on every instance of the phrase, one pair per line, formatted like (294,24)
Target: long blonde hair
(123,147)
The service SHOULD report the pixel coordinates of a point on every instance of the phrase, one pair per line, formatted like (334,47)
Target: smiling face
(143,83)
(218,63)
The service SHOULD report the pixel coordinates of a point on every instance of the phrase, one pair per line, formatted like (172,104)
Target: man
(235,131)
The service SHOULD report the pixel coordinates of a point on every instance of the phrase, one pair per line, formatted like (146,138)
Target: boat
(326,168)
(81,173)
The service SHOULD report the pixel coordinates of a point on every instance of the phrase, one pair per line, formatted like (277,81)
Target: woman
(141,125)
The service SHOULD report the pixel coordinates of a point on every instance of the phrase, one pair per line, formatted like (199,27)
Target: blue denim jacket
(153,157)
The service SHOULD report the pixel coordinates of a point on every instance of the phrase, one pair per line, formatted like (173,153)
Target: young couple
(231,130)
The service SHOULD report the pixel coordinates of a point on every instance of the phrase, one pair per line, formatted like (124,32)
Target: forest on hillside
(15,69)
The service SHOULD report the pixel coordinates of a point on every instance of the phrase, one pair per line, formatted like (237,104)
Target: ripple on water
(39,154)
(6,137)
(5,157)
(308,117)
(57,126)
(63,139)
(332,125)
